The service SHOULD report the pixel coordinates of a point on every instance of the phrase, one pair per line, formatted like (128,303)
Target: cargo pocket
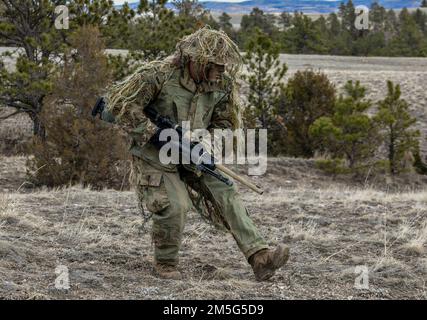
(155,194)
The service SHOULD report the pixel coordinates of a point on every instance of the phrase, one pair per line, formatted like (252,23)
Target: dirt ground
(333,229)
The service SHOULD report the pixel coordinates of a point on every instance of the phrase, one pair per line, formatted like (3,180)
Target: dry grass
(14,132)
(418,239)
(9,215)
(331,228)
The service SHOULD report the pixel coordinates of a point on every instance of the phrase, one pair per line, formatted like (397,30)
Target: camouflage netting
(127,98)
(205,205)
(203,46)
(211,46)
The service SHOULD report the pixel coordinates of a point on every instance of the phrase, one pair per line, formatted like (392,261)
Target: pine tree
(349,34)
(390,27)
(78,148)
(377,15)
(347,14)
(257,19)
(285,20)
(225,21)
(117,29)
(155,32)
(334,36)
(421,20)
(308,96)
(29,25)
(394,118)
(410,40)
(423,4)
(304,36)
(265,75)
(349,132)
(189,7)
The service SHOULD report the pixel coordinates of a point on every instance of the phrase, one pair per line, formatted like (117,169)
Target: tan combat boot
(265,262)
(166,271)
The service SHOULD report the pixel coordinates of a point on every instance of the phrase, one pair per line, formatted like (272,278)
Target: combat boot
(166,271)
(265,262)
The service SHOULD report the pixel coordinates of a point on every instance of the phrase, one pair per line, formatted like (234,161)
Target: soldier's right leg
(166,197)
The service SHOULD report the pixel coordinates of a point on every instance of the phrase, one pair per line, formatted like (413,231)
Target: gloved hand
(99,107)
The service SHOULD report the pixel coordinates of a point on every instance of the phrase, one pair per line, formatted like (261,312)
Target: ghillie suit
(202,47)
(139,89)
(169,190)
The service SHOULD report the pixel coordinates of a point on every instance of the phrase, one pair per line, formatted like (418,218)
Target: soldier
(196,84)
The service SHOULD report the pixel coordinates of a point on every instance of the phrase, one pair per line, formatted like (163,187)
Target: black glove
(99,107)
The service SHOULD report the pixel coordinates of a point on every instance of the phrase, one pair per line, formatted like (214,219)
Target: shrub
(349,133)
(400,138)
(308,96)
(332,166)
(79,149)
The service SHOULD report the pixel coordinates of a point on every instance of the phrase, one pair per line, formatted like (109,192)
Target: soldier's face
(214,72)
(211,72)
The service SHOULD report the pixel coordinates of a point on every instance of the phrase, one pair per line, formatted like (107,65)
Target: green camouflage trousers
(166,197)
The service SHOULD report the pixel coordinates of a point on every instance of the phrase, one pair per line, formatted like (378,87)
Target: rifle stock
(242,180)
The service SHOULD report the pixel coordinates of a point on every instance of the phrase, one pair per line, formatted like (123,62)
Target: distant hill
(306,6)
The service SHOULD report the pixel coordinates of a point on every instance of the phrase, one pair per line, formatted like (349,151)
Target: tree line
(390,34)
(153,29)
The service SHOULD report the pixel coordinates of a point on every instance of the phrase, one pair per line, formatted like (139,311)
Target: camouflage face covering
(210,46)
